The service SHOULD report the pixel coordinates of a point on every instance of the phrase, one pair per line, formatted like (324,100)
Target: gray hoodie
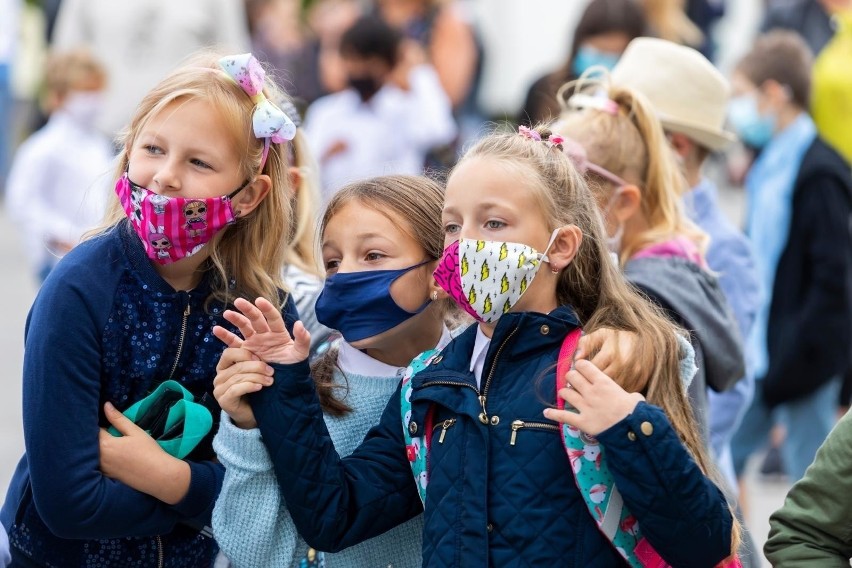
(694,300)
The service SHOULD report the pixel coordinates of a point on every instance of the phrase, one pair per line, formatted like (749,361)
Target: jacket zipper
(444,426)
(483,397)
(518,424)
(159,552)
(186,311)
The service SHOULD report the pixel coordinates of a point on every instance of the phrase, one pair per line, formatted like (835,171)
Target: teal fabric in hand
(171,416)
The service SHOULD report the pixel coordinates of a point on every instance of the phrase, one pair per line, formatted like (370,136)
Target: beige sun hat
(689,94)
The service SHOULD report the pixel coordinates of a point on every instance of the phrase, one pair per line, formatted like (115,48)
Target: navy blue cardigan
(106,327)
(489,502)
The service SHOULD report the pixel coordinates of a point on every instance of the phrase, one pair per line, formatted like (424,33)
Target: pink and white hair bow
(268,121)
(530,134)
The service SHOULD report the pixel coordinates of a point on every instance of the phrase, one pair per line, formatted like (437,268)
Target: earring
(554,271)
(434,295)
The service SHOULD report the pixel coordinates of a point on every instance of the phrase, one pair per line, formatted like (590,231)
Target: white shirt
(355,362)
(477,359)
(9,29)
(140,42)
(56,188)
(389,134)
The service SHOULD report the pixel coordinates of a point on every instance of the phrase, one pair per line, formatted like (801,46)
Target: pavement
(18,289)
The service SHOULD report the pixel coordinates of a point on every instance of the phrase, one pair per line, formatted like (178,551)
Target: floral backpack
(585,454)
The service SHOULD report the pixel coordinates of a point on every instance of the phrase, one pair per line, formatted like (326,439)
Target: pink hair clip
(555,140)
(598,101)
(529,133)
(576,152)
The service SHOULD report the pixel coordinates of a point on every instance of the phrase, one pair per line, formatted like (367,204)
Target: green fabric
(814,527)
(171,416)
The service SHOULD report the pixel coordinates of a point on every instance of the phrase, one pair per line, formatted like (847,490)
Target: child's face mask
(487,278)
(754,129)
(172,228)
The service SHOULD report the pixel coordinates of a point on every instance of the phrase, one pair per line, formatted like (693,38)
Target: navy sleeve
(682,513)
(335,503)
(815,347)
(61,396)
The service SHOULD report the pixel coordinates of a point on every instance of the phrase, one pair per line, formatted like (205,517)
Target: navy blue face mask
(359,304)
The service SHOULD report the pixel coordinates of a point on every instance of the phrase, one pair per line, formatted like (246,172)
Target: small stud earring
(434,295)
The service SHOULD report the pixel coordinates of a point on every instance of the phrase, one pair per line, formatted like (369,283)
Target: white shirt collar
(480,350)
(352,361)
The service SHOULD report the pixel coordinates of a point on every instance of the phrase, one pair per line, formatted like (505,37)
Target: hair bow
(268,121)
(599,101)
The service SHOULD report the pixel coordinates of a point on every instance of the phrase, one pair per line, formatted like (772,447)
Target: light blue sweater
(251,522)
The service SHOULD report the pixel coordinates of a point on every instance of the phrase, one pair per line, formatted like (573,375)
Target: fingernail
(269,370)
(108,407)
(546,413)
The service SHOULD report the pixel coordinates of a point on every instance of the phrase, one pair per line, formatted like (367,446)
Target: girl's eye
(451,228)
(331,265)
(494,225)
(151,149)
(200,164)
(374,256)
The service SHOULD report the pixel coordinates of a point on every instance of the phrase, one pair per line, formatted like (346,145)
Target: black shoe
(772,464)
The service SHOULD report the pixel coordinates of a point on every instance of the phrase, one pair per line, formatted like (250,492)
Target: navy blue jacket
(489,503)
(106,327)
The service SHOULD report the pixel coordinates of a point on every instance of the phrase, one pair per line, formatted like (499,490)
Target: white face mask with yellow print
(487,278)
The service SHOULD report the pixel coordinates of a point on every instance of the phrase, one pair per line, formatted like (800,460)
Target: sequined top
(106,327)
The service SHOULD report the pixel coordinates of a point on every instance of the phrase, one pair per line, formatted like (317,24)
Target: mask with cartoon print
(173,228)
(487,278)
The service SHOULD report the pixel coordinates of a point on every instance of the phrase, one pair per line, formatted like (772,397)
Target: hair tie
(529,133)
(268,121)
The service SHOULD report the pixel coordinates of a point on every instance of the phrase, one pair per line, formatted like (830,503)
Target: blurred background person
(808,18)
(8,40)
(799,207)
(667,19)
(139,42)
(601,36)
(392,113)
(53,195)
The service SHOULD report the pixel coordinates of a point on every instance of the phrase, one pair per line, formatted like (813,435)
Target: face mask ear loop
(553,236)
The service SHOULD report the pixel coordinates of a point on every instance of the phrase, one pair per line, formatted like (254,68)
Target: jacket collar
(519,335)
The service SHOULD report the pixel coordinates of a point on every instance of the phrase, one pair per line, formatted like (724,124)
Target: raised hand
(599,401)
(264,333)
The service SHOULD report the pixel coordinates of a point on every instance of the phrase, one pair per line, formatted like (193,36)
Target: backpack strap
(417,447)
(595,482)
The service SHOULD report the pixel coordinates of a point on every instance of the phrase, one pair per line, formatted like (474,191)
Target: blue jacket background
(489,503)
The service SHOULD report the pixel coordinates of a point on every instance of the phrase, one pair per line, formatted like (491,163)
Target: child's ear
(627,204)
(295,179)
(564,247)
(254,193)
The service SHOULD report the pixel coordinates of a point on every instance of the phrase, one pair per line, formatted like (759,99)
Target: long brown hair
(593,285)
(411,203)
(631,143)
(248,256)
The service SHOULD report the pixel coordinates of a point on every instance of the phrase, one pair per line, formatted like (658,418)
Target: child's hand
(239,373)
(264,333)
(136,459)
(614,353)
(600,401)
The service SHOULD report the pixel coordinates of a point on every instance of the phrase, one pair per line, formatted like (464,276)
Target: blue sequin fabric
(151,334)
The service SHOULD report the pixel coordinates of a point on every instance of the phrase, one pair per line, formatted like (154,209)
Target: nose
(166,178)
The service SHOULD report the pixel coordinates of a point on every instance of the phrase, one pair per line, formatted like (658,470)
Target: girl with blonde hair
(124,324)
(613,136)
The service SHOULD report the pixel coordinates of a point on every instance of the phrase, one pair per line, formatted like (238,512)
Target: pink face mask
(172,228)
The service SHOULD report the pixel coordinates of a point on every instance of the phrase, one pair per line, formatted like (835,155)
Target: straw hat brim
(714,140)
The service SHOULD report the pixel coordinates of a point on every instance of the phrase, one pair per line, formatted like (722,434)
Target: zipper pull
(483,416)
(516,425)
(447,423)
(186,310)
